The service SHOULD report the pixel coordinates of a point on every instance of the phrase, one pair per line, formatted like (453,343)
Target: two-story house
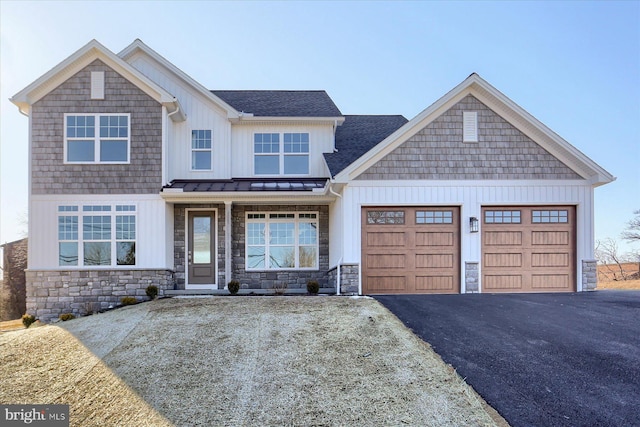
(139,175)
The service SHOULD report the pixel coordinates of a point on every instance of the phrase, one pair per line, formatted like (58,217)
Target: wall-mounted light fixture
(473,224)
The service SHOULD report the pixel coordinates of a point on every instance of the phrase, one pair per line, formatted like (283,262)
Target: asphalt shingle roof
(357,135)
(281,103)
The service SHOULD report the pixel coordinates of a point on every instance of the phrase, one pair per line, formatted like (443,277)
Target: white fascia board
(238,197)
(77,61)
(501,105)
(139,46)
(472,183)
(255,120)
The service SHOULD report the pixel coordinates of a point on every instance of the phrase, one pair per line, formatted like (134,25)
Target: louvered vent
(97,85)
(470,126)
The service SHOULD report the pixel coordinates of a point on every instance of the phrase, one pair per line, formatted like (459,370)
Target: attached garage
(410,250)
(528,249)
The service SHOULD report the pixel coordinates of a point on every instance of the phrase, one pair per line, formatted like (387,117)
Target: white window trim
(192,150)
(96,139)
(297,220)
(281,155)
(80,213)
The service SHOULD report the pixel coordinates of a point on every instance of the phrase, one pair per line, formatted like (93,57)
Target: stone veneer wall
(471,277)
(437,152)
(179,223)
(82,292)
(348,278)
(50,175)
(589,274)
(268,279)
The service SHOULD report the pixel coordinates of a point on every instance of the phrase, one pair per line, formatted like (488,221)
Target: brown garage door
(528,249)
(410,250)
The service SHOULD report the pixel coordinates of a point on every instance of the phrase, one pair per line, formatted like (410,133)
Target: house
(12,279)
(140,175)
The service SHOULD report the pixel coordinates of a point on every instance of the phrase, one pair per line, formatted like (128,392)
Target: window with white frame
(103,235)
(281,240)
(97,138)
(201,150)
(271,157)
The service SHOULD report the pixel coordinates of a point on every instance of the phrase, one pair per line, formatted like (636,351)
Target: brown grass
(620,284)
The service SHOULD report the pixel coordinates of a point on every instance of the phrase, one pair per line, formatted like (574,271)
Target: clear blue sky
(573,65)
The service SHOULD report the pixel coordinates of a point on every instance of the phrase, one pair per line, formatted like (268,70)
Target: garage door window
(434,217)
(556,216)
(502,217)
(385,217)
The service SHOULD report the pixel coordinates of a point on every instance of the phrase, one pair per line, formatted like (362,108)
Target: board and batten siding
(320,141)
(154,230)
(470,196)
(202,114)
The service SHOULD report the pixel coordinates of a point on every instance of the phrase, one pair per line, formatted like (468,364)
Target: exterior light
(473,224)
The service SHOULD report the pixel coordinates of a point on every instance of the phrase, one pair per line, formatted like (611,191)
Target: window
(273,158)
(108,236)
(502,217)
(97,138)
(385,217)
(556,216)
(277,241)
(201,150)
(434,217)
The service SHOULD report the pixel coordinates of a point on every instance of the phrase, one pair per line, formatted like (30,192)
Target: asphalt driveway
(539,359)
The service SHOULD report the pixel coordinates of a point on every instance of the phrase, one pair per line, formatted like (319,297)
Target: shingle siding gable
(438,153)
(50,175)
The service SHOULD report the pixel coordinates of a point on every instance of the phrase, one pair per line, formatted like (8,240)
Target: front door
(201,257)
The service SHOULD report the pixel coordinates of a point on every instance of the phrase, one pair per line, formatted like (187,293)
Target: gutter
(338,283)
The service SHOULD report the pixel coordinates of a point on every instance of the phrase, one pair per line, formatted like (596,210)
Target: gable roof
(501,105)
(79,60)
(357,135)
(280,103)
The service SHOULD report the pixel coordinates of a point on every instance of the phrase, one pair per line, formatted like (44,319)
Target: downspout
(338,282)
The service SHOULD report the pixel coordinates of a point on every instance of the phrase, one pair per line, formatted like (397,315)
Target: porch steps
(212,292)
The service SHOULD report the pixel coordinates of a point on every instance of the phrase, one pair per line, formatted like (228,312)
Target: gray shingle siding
(438,153)
(49,173)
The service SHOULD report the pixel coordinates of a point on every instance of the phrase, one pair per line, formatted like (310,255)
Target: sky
(575,66)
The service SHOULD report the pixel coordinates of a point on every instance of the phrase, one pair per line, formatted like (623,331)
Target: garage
(410,250)
(528,249)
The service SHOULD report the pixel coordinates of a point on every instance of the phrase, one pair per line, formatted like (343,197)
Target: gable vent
(470,126)
(97,85)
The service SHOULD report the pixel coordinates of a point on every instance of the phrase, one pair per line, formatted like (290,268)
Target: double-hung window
(201,150)
(282,240)
(97,138)
(281,154)
(102,235)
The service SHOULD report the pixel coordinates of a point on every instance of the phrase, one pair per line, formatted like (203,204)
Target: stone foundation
(348,278)
(82,292)
(589,274)
(471,277)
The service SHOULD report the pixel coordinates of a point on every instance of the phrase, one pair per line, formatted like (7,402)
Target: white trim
(469,126)
(192,150)
(97,139)
(186,248)
(281,156)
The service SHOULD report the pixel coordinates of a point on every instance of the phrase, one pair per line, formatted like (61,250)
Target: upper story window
(97,138)
(281,154)
(201,150)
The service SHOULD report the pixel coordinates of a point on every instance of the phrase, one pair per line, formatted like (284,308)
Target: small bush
(279,288)
(28,320)
(152,291)
(313,287)
(66,316)
(128,301)
(233,286)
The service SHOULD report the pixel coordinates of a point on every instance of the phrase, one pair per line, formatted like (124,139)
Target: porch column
(227,242)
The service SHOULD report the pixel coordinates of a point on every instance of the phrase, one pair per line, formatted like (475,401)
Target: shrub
(66,316)
(233,286)
(313,287)
(152,291)
(279,288)
(128,301)
(28,320)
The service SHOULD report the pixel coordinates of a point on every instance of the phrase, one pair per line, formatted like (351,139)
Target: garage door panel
(434,260)
(503,238)
(550,281)
(550,260)
(418,254)
(435,283)
(547,238)
(503,260)
(503,282)
(424,238)
(386,239)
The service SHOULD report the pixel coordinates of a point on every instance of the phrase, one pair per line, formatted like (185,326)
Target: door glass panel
(202,240)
